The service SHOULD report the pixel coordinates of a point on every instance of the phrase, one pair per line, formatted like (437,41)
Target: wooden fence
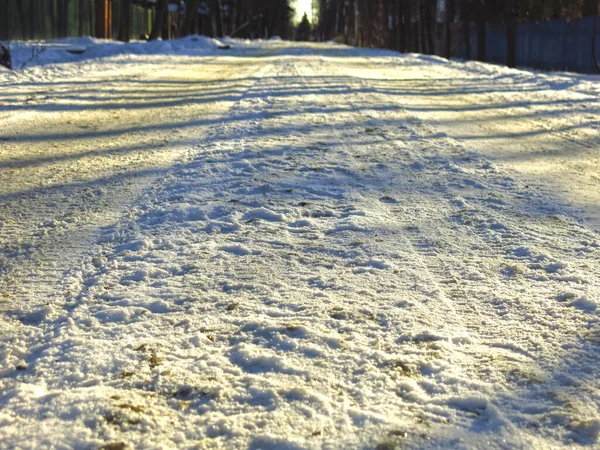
(553,45)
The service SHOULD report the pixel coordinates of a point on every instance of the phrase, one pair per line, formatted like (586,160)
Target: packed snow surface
(290,246)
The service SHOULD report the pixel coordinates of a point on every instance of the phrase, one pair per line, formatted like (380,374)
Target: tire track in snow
(49,233)
(544,252)
(297,307)
(443,318)
(523,122)
(448,267)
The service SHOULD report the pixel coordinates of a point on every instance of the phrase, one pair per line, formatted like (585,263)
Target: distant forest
(127,19)
(463,28)
(435,26)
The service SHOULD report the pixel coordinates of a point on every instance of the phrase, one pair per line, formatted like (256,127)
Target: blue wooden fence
(553,45)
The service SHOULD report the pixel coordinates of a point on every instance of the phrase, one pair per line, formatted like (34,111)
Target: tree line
(430,26)
(244,18)
(40,19)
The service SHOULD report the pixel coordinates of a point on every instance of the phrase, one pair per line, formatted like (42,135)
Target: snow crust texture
(274,249)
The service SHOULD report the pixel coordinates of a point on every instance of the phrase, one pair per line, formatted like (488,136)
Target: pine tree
(304,30)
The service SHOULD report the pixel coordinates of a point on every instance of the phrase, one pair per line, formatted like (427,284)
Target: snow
(296,246)
(41,53)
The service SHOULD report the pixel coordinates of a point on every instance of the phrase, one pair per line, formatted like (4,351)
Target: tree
(304,29)
(217,18)
(481,31)
(510,19)
(23,19)
(465,14)
(162,8)
(255,18)
(81,17)
(356,23)
(449,20)
(190,17)
(125,21)
(62,17)
(594,10)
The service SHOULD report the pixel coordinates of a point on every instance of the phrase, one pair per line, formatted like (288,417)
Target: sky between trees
(303,6)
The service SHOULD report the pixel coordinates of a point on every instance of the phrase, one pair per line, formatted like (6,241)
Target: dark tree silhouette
(125,21)
(217,18)
(304,29)
(162,9)
(191,15)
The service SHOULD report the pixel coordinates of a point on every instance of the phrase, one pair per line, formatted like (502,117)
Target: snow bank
(41,53)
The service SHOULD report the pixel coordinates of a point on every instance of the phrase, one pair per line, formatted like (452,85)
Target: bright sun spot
(303,6)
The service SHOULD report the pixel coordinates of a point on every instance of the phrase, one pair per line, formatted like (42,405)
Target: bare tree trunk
(511,34)
(391,15)
(4,22)
(190,16)
(466,20)
(346,33)
(125,21)
(422,26)
(162,8)
(91,16)
(337,17)
(431,24)
(218,19)
(233,17)
(63,18)
(81,17)
(449,20)
(402,37)
(594,28)
(356,24)
(481,34)
(33,19)
(22,19)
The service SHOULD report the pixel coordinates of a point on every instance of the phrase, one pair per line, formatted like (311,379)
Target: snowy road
(298,247)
